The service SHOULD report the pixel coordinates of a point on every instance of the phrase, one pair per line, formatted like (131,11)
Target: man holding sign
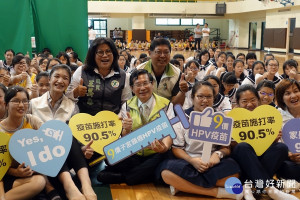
(138,111)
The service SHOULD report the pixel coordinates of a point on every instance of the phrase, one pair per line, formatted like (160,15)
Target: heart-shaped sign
(291,135)
(258,128)
(5,158)
(44,150)
(103,128)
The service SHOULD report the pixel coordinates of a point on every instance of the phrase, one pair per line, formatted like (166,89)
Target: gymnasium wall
(239,27)
(222,24)
(276,19)
(235,23)
(126,24)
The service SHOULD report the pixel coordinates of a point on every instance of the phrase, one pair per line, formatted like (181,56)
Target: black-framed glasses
(145,84)
(107,52)
(17,102)
(160,53)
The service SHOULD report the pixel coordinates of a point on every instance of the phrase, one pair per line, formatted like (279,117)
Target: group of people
(201,33)
(118,34)
(200,40)
(137,91)
(176,45)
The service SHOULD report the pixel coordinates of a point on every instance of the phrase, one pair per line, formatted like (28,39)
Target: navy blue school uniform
(185,170)
(222,103)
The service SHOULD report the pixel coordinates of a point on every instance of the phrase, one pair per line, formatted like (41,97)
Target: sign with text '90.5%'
(103,128)
(259,128)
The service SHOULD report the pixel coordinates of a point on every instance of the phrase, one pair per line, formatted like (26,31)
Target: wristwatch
(220,154)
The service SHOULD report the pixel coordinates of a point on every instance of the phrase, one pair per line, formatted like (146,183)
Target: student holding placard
(288,99)
(187,171)
(20,182)
(258,167)
(55,105)
(99,85)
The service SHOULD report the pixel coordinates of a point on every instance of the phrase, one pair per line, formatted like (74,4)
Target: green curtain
(16,26)
(55,24)
(61,23)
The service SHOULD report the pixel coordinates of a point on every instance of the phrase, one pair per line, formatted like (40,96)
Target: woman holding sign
(255,168)
(288,99)
(55,105)
(99,85)
(20,182)
(189,173)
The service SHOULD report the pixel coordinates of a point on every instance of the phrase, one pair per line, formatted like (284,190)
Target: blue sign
(44,150)
(291,135)
(135,141)
(210,127)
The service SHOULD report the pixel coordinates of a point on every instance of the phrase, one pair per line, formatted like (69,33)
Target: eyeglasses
(247,101)
(202,97)
(160,53)
(17,102)
(229,85)
(107,52)
(144,84)
(273,65)
(194,69)
(21,63)
(265,94)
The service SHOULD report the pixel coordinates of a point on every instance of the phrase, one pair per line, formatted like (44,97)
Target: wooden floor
(153,192)
(281,57)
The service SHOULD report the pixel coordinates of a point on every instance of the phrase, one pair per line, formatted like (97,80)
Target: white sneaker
(173,190)
(290,185)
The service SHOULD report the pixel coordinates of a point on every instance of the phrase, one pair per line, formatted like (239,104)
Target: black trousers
(138,169)
(259,167)
(289,170)
(197,43)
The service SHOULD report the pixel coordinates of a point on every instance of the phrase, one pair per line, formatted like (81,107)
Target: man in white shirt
(197,37)
(92,35)
(205,34)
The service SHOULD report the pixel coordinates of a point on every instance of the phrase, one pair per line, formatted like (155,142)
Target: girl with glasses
(20,181)
(55,105)
(271,73)
(266,92)
(185,170)
(255,167)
